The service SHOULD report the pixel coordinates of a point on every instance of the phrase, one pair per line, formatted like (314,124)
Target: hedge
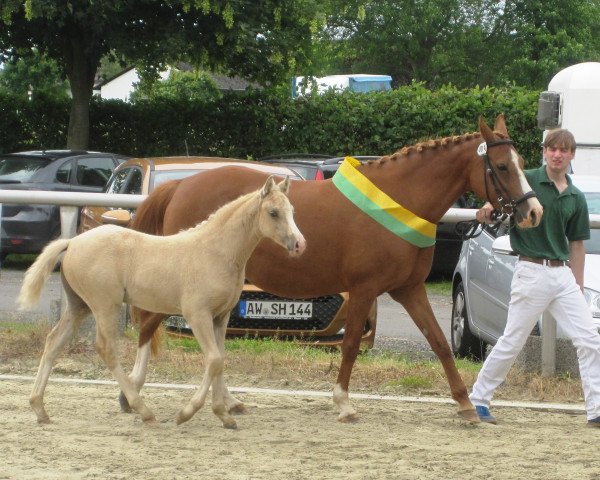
(256,123)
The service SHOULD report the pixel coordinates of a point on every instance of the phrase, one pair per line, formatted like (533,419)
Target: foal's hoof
(44,421)
(181,418)
(238,409)
(125,407)
(230,424)
(469,415)
(349,418)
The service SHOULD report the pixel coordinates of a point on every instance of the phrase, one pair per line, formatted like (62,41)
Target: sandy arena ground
(283,437)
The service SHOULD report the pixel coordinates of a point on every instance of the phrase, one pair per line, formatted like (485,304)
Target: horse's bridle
(507,207)
(472,229)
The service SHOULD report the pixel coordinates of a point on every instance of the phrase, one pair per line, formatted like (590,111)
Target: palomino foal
(198,273)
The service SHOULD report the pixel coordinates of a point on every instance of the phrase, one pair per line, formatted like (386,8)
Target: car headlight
(593,299)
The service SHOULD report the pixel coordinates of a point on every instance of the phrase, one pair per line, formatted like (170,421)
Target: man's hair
(560,138)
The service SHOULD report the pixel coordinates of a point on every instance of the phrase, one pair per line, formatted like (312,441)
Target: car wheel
(464,343)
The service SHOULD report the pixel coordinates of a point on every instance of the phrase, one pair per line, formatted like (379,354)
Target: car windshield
(19,169)
(593,244)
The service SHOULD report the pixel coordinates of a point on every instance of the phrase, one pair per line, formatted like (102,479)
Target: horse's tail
(150,215)
(38,273)
(149,218)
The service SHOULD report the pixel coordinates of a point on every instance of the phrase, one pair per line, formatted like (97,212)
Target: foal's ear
(284,185)
(269,184)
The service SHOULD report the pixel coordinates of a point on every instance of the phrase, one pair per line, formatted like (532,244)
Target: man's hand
(484,214)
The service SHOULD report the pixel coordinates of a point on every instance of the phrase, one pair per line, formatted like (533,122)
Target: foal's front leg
(202,326)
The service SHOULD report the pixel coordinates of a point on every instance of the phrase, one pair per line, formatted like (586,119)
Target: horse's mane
(429,145)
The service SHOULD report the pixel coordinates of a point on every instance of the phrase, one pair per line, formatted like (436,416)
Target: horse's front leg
(234,406)
(202,326)
(416,303)
(148,324)
(359,306)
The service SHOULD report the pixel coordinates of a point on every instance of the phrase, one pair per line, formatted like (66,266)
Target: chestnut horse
(347,249)
(198,273)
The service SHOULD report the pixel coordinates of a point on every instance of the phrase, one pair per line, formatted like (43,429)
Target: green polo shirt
(565,219)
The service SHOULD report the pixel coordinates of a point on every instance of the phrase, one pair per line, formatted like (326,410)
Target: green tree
(192,86)
(259,40)
(463,42)
(33,76)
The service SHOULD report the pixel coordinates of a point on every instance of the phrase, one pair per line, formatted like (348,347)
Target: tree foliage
(191,86)
(260,40)
(463,42)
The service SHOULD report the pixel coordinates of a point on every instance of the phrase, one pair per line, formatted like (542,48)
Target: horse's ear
(486,132)
(500,125)
(269,184)
(284,185)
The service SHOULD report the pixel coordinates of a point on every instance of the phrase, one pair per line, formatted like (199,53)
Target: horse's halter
(507,206)
(472,228)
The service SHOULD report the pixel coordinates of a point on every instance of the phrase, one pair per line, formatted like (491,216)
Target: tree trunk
(81,71)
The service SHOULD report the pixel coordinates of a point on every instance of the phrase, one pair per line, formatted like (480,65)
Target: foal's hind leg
(416,303)
(148,324)
(233,404)
(106,346)
(76,310)
(202,326)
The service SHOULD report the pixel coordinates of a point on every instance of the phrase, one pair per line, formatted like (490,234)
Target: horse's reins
(472,228)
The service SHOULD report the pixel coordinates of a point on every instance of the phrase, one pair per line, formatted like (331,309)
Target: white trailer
(572,102)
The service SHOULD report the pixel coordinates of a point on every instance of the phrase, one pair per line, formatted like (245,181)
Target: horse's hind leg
(70,320)
(106,346)
(202,326)
(417,305)
(359,306)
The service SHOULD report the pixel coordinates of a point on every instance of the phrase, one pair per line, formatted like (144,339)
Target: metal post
(548,345)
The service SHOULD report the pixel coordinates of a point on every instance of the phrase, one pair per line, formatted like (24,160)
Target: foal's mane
(429,145)
(227,210)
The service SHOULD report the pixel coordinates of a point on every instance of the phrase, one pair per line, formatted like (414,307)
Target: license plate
(275,309)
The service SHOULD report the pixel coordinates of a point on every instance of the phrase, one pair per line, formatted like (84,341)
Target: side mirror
(501,246)
(117,217)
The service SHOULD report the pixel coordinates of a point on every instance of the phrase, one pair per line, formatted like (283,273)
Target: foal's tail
(149,218)
(38,273)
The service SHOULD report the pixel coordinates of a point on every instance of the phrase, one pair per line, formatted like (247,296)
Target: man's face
(558,159)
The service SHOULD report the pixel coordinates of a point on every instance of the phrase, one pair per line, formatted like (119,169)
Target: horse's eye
(274,213)
(502,167)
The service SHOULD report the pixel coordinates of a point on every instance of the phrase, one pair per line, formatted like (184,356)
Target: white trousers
(535,289)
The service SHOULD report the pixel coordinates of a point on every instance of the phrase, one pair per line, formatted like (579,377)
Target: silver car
(482,278)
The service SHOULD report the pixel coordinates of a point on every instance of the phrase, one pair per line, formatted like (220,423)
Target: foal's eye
(502,167)
(274,213)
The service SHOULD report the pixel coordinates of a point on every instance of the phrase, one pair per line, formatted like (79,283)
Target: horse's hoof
(150,421)
(349,418)
(181,418)
(239,409)
(469,415)
(125,407)
(44,421)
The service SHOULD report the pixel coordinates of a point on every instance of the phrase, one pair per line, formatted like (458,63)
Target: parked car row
(28,228)
(481,282)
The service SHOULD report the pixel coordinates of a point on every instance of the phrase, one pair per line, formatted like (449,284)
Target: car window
(94,172)
(165,175)
(19,169)
(63,174)
(134,185)
(118,181)
(593,244)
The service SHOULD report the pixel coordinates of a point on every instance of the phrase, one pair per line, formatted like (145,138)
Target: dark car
(28,228)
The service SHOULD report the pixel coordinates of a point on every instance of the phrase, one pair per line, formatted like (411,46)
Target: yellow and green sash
(380,207)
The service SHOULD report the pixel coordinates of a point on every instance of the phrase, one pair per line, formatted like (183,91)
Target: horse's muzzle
(529,213)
